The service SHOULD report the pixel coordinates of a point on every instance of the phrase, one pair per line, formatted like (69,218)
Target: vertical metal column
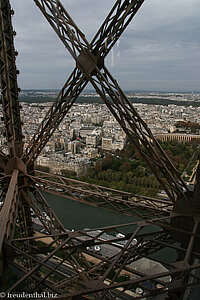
(9,87)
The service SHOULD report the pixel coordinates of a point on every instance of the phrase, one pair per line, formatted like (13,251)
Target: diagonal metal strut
(90,61)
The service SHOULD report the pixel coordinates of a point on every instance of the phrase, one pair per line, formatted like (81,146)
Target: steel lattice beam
(64,101)
(9,87)
(119,201)
(77,271)
(8,212)
(116,22)
(90,60)
(122,260)
(8,216)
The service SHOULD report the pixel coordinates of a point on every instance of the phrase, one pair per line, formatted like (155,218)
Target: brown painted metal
(8,216)
(167,232)
(39,205)
(85,55)
(64,101)
(12,164)
(119,201)
(77,81)
(9,210)
(120,261)
(9,87)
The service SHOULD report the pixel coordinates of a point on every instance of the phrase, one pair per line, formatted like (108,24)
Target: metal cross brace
(90,67)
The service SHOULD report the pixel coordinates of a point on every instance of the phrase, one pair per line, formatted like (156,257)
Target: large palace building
(180,137)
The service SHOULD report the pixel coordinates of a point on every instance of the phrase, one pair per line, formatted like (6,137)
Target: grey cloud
(159,50)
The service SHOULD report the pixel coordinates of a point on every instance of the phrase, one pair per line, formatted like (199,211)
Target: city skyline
(158,52)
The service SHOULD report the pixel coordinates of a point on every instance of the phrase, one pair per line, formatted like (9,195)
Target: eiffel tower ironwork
(64,265)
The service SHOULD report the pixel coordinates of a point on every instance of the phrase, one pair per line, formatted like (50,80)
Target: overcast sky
(160,50)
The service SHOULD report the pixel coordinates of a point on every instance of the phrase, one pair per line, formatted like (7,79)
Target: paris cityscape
(89,128)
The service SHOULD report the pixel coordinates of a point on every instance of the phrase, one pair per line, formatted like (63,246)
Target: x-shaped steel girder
(90,67)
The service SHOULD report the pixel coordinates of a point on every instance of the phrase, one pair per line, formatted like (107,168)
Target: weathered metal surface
(9,87)
(166,238)
(39,205)
(9,210)
(104,84)
(123,258)
(77,81)
(64,101)
(122,202)
(8,216)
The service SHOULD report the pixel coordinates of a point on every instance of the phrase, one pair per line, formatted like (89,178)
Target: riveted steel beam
(64,256)
(9,87)
(9,209)
(119,201)
(125,258)
(87,58)
(116,22)
(8,215)
(64,101)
